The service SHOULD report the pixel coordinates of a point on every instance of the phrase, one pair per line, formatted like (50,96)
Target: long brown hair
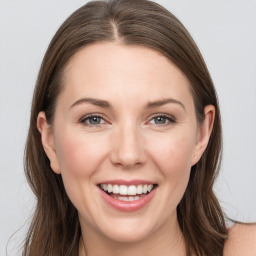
(55,228)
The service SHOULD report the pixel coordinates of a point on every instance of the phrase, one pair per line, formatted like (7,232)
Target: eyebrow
(162,102)
(93,101)
(106,104)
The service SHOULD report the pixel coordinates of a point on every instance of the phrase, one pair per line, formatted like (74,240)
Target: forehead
(106,69)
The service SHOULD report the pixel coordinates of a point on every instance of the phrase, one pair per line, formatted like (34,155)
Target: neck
(167,240)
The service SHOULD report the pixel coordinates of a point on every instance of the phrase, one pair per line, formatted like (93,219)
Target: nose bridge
(128,148)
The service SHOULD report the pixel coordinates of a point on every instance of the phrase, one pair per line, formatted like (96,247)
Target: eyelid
(170,118)
(83,119)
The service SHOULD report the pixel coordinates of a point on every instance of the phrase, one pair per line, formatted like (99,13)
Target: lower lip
(129,206)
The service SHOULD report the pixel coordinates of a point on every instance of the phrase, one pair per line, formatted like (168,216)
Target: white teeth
(115,189)
(128,198)
(139,190)
(132,190)
(123,190)
(150,187)
(109,188)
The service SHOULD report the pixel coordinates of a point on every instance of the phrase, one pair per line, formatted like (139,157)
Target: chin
(134,235)
(130,229)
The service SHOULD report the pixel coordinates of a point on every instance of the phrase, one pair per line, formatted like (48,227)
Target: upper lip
(127,182)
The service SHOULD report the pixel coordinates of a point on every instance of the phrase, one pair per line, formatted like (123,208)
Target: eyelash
(86,118)
(169,119)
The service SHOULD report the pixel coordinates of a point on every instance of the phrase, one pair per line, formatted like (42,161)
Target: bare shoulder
(241,240)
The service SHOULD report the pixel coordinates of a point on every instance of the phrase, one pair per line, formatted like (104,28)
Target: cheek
(79,154)
(173,154)
(172,157)
(79,158)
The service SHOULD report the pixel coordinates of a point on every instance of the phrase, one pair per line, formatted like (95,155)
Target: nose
(128,147)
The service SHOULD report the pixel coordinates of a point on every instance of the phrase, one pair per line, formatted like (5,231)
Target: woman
(125,140)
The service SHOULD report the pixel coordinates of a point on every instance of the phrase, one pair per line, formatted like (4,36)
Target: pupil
(94,120)
(160,120)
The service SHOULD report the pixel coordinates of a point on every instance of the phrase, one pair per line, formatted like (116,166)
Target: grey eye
(93,120)
(160,120)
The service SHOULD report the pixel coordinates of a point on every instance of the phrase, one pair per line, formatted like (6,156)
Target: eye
(162,120)
(93,120)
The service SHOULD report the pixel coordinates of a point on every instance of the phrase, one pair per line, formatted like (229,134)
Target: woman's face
(126,117)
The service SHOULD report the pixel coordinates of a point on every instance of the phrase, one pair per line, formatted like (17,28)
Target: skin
(241,240)
(128,143)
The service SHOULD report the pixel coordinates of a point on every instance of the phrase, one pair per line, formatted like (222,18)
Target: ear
(47,140)
(204,133)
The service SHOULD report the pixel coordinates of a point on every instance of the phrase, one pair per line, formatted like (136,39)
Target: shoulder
(241,240)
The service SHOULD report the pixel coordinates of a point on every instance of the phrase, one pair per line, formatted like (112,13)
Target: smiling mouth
(127,193)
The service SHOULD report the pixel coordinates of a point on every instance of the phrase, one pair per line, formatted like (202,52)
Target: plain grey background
(225,31)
